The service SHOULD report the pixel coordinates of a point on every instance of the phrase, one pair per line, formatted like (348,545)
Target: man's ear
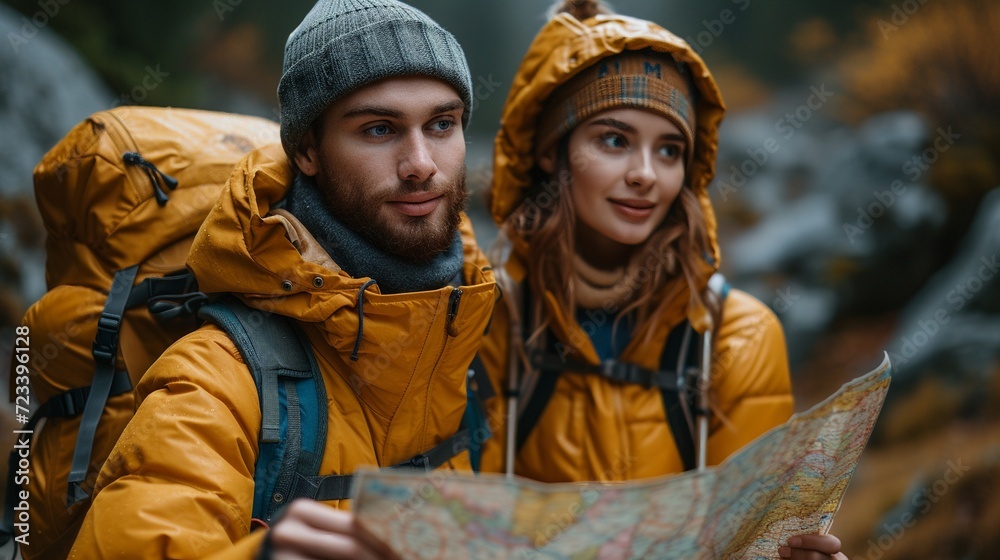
(547,161)
(307,158)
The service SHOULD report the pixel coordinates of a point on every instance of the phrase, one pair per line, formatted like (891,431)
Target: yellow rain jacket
(179,483)
(592,428)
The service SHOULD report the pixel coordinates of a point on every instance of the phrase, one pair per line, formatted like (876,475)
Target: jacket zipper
(453,300)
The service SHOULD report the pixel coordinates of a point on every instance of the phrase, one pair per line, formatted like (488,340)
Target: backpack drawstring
(155,175)
(361,319)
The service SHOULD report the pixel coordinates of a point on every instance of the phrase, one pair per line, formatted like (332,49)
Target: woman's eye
(670,151)
(612,140)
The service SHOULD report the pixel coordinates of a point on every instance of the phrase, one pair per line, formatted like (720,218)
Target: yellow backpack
(121,196)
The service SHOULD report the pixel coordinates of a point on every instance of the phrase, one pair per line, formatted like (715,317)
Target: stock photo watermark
(958,297)
(914,169)
(921,502)
(901,14)
(713,28)
(30,26)
(786,127)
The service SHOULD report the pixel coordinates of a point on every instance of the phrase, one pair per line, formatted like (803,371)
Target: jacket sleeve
(751,385)
(179,482)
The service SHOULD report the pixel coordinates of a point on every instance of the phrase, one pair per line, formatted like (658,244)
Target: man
(354,229)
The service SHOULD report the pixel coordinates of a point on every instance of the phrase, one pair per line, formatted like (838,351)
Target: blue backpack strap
(292,399)
(478,391)
(294,412)
(471,436)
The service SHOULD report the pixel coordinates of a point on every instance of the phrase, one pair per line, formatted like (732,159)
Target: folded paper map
(790,481)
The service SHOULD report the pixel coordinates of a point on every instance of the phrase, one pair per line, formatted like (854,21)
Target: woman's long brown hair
(546,221)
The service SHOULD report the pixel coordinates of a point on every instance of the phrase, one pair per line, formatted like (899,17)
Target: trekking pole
(513,384)
(704,383)
(717,284)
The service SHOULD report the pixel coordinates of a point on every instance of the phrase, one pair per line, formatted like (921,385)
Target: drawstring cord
(361,319)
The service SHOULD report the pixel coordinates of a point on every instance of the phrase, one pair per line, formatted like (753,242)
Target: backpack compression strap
(169,297)
(105,353)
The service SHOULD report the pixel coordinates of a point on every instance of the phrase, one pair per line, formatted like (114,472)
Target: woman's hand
(311,530)
(812,547)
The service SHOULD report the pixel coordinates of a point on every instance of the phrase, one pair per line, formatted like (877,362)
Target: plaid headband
(635,79)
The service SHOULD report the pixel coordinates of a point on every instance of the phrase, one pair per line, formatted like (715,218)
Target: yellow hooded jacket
(592,428)
(179,482)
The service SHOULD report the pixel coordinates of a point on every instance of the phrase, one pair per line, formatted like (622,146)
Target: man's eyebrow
(449,106)
(372,111)
(386,112)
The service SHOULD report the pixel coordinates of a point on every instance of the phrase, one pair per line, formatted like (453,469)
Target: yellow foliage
(943,60)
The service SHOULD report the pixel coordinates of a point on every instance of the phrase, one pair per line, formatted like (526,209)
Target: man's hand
(812,547)
(311,530)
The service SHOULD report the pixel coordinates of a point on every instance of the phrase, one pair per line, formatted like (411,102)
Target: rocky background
(857,190)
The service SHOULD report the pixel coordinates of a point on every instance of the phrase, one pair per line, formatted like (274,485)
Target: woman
(608,241)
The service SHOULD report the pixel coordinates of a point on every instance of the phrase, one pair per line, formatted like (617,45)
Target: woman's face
(627,168)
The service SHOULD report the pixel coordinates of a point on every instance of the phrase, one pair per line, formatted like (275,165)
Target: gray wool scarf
(359,258)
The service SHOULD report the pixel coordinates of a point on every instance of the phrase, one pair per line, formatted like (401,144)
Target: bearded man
(354,229)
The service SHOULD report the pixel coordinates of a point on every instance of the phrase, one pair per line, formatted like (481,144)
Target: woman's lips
(633,209)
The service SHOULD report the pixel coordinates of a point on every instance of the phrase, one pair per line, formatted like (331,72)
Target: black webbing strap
(181,282)
(72,402)
(105,353)
(338,486)
(612,370)
(680,427)
(548,375)
(671,383)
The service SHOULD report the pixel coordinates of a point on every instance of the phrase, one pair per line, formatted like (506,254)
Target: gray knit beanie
(342,45)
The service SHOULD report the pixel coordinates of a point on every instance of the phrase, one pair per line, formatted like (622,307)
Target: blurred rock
(842,214)
(952,514)
(45,89)
(952,327)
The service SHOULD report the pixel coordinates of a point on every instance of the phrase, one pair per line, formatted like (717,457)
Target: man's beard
(360,206)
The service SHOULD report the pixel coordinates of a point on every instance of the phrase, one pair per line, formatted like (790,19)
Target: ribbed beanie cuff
(342,45)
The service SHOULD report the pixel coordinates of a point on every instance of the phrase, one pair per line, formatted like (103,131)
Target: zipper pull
(453,301)
(155,175)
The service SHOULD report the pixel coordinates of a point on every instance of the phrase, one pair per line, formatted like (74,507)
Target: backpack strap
(478,391)
(681,352)
(105,351)
(294,412)
(292,399)
(544,387)
(677,363)
(471,436)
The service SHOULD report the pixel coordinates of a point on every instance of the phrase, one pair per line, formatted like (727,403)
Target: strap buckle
(419,462)
(625,372)
(105,348)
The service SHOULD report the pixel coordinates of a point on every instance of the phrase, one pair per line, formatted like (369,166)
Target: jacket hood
(562,49)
